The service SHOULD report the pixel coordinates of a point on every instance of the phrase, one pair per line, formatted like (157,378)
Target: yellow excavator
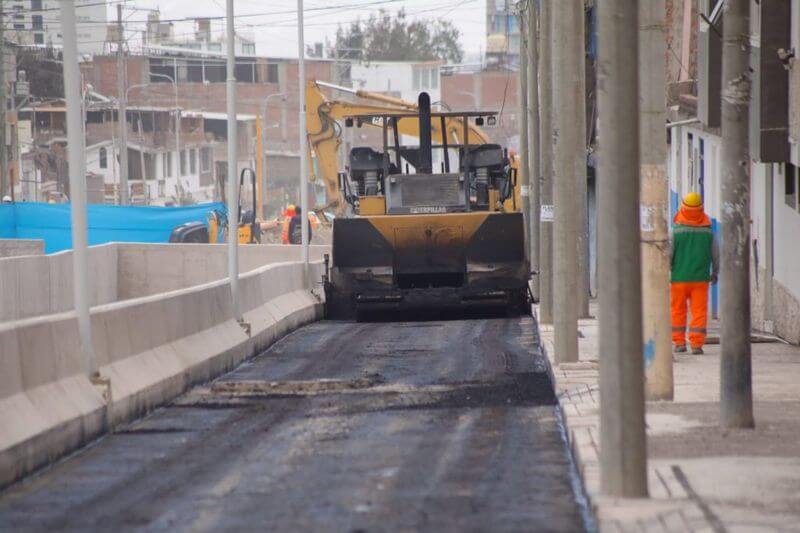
(418,235)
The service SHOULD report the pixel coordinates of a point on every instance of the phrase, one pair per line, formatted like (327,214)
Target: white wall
(787,233)
(90,17)
(398,77)
(688,163)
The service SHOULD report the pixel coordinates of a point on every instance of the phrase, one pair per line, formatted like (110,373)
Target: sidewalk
(701,477)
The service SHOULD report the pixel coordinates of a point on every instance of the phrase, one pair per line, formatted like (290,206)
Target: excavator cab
(428,232)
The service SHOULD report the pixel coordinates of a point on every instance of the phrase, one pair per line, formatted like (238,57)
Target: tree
(391,37)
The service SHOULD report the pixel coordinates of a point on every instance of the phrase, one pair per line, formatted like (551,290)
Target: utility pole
(233,158)
(122,114)
(623,452)
(303,138)
(546,192)
(736,393)
(77,184)
(568,147)
(5,181)
(534,151)
(582,214)
(653,198)
(524,146)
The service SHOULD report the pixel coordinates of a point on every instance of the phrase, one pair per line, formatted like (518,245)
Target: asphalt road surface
(405,426)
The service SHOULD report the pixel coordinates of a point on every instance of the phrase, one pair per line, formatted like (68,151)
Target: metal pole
(533,139)
(77,184)
(5,181)
(568,139)
(177,124)
(736,394)
(141,158)
(546,193)
(233,183)
(264,159)
(654,197)
(264,149)
(623,454)
(303,136)
(122,118)
(524,145)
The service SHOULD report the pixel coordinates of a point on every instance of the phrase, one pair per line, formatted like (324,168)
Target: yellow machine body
(454,260)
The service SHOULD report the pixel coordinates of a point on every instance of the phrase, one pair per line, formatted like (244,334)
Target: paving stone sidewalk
(700,476)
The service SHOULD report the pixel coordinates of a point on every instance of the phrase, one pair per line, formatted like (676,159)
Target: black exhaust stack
(425,150)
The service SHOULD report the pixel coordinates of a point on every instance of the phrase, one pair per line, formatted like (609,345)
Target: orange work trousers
(695,294)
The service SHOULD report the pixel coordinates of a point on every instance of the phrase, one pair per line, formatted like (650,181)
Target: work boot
(697,351)
(680,348)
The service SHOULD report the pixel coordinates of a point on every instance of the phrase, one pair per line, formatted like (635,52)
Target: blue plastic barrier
(107,223)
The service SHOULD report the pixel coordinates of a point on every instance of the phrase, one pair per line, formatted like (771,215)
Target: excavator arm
(324,132)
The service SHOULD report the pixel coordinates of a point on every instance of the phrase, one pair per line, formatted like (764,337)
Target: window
(192,161)
(36,5)
(36,22)
(183,162)
(205,159)
(19,26)
(215,47)
(103,158)
(245,72)
(416,77)
(272,73)
(790,186)
(435,78)
(249,49)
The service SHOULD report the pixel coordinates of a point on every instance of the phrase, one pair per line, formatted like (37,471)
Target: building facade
(502,33)
(37,22)
(695,155)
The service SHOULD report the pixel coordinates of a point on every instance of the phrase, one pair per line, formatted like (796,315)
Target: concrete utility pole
(5,181)
(77,183)
(546,192)
(568,148)
(233,158)
(654,200)
(301,52)
(122,118)
(534,151)
(623,454)
(582,214)
(736,394)
(525,177)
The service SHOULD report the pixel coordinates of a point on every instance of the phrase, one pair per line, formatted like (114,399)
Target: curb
(670,506)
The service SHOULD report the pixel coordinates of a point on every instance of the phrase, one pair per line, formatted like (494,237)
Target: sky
(273,23)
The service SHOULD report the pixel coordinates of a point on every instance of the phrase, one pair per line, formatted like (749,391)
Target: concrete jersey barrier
(149,350)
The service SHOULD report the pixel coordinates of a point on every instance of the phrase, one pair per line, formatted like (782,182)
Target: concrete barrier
(154,268)
(17,247)
(38,285)
(149,349)
(42,284)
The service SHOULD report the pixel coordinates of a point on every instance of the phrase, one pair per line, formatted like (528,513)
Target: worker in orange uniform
(288,215)
(695,263)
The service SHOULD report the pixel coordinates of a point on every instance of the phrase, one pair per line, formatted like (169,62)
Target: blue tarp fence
(107,223)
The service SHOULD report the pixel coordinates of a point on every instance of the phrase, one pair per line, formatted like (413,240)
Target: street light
(177,119)
(264,148)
